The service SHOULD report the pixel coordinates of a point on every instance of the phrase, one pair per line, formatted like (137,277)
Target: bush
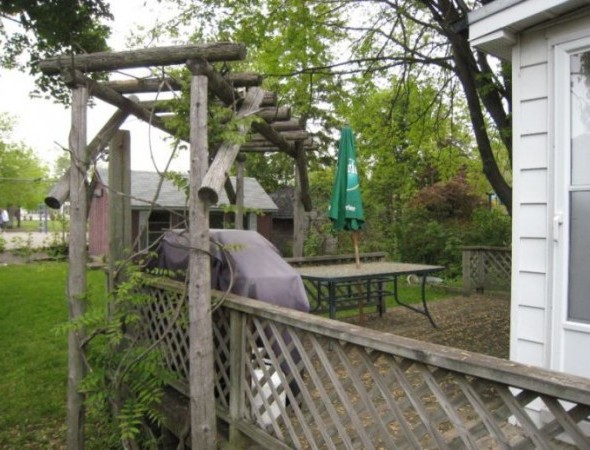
(489,227)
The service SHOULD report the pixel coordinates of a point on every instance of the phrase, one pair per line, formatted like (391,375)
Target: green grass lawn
(33,359)
(33,225)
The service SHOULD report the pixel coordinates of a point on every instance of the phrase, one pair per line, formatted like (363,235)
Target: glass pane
(579,267)
(580,118)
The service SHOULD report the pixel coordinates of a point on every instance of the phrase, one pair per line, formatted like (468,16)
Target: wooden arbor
(242,93)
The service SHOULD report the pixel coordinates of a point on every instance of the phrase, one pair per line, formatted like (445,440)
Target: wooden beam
(203,416)
(308,144)
(225,157)
(301,162)
(163,106)
(157,56)
(239,215)
(294,135)
(77,257)
(61,190)
(275,113)
(112,97)
(119,182)
(288,125)
(147,85)
(274,137)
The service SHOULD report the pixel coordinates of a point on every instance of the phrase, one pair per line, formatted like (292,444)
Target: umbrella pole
(357,259)
(355,240)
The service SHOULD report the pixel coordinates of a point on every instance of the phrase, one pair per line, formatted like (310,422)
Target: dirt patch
(478,323)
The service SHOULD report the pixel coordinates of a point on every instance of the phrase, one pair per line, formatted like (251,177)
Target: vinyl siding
(529,324)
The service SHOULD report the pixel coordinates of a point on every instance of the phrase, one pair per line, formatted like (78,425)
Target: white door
(571,300)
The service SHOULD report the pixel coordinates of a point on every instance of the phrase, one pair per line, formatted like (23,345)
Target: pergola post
(240,159)
(119,203)
(76,285)
(201,377)
(299,214)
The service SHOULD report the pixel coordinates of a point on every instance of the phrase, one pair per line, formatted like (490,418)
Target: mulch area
(478,323)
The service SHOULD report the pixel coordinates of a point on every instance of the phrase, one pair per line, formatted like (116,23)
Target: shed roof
(493,27)
(144,185)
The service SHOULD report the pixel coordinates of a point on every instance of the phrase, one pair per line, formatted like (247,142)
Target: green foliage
(125,380)
(23,177)
(440,219)
(52,27)
(490,227)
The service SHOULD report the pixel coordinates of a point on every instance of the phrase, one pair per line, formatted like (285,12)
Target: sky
(44,126)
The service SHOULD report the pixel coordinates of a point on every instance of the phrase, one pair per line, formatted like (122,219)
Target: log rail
(286,379)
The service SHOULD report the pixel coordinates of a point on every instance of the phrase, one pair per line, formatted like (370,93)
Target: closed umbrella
(346,206)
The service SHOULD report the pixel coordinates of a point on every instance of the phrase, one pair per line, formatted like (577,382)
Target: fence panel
(486,268)
(302,381)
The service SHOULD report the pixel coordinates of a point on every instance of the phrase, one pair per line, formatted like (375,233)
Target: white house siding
(530,301)
(533,337)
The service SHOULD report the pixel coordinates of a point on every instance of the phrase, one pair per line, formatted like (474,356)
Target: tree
(417,38)
(46,28)
(23,177)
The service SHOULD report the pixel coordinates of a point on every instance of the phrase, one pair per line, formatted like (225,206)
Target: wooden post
(240,159)
(299,216)
(76,287)
(466,268)
(119,203)
(201,378)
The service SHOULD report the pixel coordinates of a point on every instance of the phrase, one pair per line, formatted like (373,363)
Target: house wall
(536,303)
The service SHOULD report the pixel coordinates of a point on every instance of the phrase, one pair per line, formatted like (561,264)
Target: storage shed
(548,43)
(170,210)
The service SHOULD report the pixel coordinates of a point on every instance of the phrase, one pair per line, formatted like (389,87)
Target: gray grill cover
(255,265)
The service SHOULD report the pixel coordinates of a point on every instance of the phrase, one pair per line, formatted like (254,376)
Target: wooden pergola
(278,132)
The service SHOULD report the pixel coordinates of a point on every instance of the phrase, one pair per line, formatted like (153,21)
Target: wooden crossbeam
(292,135)
(147,85)
(61,190)
(157,56)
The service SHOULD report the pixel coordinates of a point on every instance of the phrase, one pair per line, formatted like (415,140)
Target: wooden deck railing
(486,268)
(287,379)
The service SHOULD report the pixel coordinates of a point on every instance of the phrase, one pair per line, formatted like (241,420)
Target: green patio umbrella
(346,206)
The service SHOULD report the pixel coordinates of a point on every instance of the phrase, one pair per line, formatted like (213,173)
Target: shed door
(571,320)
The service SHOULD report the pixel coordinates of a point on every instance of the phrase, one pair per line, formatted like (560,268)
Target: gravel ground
(478,323)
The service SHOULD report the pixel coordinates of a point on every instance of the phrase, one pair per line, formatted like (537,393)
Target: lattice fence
(486,268)
(292,380)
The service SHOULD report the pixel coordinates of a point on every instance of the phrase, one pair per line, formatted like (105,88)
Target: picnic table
(344,286)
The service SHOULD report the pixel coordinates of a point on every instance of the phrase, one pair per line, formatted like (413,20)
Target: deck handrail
(401,372)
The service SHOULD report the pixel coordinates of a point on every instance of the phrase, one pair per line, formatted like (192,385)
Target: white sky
(44,126)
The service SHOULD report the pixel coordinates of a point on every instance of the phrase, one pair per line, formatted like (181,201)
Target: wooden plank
(156,56)
(201,381)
